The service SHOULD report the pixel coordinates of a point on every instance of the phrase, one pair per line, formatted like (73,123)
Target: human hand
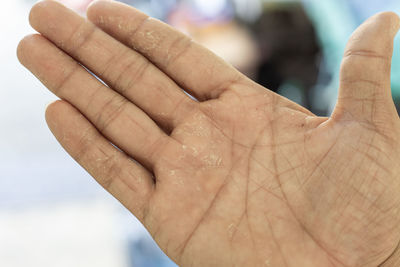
(243,177)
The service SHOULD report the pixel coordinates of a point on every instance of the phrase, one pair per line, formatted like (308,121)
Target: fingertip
(24,45)
(20,50)
(37,11)
(396,21)
(93,8)
(41,13)
(389,19)
(53,110)
(51,107)
(98,3)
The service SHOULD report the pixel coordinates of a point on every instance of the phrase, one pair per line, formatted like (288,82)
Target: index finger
(185,61)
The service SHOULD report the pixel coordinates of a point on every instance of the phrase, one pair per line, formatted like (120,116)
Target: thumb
(364,91)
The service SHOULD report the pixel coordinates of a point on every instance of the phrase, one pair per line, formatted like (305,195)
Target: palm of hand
(261,185)
(245,177)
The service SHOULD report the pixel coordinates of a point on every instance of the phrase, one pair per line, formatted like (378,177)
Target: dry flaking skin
(241,177)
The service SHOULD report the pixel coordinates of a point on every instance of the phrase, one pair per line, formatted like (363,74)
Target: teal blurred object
(334,24)
(396,70)
(334,21)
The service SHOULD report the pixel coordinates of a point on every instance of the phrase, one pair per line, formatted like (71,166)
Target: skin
(241,177)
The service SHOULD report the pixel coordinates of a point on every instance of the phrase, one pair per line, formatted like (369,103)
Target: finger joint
(110,112)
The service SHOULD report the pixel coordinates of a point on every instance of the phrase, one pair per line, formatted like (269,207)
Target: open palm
(241,177)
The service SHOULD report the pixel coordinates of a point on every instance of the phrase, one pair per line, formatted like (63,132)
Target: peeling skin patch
(175,178)
(152,41)
(139,179)
(52,27)
(231,230)
(200,116)
(179,181)
(201,131)
(102,160)
(110,20)
(64,138)
(212,160)
(161,114)
(190,150)
(61,44)
(101,20)
(195,151)
(150,34)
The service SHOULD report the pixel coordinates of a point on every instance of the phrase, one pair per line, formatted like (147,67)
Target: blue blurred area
(145,252)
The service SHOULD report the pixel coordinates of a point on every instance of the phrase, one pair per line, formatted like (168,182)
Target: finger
(129,182)
(118,119)
(125,70)
(364,93)
(192,66)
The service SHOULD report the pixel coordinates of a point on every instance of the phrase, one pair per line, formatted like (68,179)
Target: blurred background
(53,214)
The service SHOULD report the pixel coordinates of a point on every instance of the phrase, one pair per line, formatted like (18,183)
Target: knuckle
(79,37)
(69,76)
(156,147)
(114,66)
(373,83)
(125,71)
(153,41)
(135,72)
(177,49)
(139,30)
(110,112)
(85,145)
(110,170)
(368,54)
(24,45)
(38,10)
(100,163)
(182,108)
